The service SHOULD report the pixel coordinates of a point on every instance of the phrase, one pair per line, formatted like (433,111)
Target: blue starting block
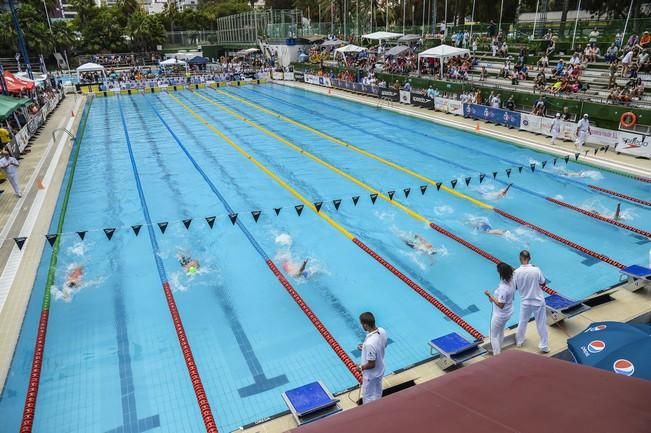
(559,308)
(454,350)
(638,277)
(310,402)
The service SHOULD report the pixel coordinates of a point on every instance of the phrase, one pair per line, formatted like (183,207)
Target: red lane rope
(341,353)
(620,195)
(574,245)
(478,250)
(37,362)
(601,217)
(422,292)
(643,179)
(202,399)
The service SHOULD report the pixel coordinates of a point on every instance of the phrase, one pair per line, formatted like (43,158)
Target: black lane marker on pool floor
(261,382)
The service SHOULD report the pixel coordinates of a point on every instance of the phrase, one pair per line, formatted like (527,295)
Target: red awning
(16,84)
(512,392)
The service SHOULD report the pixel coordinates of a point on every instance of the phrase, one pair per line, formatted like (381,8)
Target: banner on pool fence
(493,115)
(354,87)
(446,105)
(299,76)
(421,100)
(405,97)
(389,94)
(633,144)
(543,125)
(319,81)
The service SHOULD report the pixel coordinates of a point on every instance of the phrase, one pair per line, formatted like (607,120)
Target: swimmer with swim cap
(484,226)
(290,267)
(419,243)
(190,265)
(73,280)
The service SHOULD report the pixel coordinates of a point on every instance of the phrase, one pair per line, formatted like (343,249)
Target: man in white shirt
(9,164)
(372,366)
(555,129)
(582,130)
(529,281)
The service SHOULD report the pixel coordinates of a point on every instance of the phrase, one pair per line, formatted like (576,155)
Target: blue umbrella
(614,346)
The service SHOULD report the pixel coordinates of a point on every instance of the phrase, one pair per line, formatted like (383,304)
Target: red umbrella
(16,84)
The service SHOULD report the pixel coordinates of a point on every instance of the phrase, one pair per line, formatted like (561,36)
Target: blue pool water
(112,357)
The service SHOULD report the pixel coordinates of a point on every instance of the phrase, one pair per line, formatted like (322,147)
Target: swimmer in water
(190,265)
(484,226)
(73,281)
(294,270)
(498,194)
(419,243)
(617,215)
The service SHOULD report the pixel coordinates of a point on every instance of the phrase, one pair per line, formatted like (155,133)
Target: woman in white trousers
(502,301)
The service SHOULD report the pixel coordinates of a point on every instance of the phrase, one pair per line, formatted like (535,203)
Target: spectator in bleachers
(539,107)
(559,70)
(575,59)
(643,61)
(627,61)
(618,40)
(611,53)
(593,36)
(504,49)
(566,116)
(483,73)
(523,73)
(494,46)
(645,40)
(543,62)
(551,47)
(638,87)
(539,83)
(612,71)
(496,101)
(548,36)
(510,104)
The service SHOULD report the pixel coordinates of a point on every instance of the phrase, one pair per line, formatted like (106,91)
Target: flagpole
(576,23)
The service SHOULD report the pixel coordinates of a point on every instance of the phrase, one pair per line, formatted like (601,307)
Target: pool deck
(624,306)
(41,174)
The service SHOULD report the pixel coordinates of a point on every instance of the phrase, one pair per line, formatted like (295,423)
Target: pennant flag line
(211,221)
(20,242)
(355,200)
(82,234)
(423,188)
(277,210)
(337,203)
(318,205)
(233,218)
(406,191)
(109,233)
(187,222)
(256,215)
(162,226)
(373,198)
(391,193)
(136,229)
(299,209)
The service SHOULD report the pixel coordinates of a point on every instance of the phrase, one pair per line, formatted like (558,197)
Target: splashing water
(443,210)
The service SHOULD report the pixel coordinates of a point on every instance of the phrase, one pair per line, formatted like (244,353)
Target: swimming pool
(165,165)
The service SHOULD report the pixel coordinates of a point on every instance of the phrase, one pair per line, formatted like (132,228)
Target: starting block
(310,402)
(638,277)
(454,350)
(559,308)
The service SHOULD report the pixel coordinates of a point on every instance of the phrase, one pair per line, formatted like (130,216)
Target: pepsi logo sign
(624,366)
(597,328)
(596,346)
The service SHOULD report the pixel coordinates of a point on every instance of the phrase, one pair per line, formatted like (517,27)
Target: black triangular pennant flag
(51,239)
(468,179)
(520,169)
(136,228)
(606,148)
(481,177)
(544,163)
(109,233)
(454,183)
(277,210)
(337,203)
(494,174)
(554,161)
(256,215)
(586,152)
(187,222)
(567,158)
(423,188)
(533,166)
(317,205)
(355,200)
(406,191)
(233,218)
(211,221)
(299,209)
(438,186)
(508,172)
(20,242)
(576,156)
(391,194)
(82,234)
(373,198)
(162,226)
(595,151)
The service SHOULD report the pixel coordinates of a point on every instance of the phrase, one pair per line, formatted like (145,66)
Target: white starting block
(638,277)
(311,402)
(454,350)
(559,308)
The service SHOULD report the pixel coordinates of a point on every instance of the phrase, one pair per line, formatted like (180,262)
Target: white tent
(172,62)
(245,52)
(442,52)
(90,67)
(348,49)
(382,36)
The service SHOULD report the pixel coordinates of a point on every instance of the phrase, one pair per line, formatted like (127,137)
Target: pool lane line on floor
(29,409)
(620,195)
(325,333)
(470,149)
(417,288)
(197,385)
(399,167)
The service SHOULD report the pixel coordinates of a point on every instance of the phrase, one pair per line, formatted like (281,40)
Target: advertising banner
(633,144)
(602,136)
(405,97)
(319,81)
(299,76)
(421,100)
(389,94)
(493,115)
(455,107)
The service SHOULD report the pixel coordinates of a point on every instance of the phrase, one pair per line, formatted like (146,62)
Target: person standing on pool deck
(503,305)
(582,130)
(372,366)
(555,129)
(529,281)
(9,164)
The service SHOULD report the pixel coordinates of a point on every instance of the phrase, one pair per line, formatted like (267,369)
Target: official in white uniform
(529,281)
(502,301)
(372,366)
(582,130)
(555,129)
(9,164)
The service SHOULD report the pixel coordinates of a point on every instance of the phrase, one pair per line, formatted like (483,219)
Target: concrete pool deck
(41,174)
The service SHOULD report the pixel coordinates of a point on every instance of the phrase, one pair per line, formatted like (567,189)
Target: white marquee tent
(441,52)
(349,49)
(382,36)
(91,67)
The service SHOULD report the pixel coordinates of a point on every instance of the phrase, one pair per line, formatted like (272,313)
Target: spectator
(432,93)
(638,88)
(559,70)
(372,365)
(593,36)
(10,165)
(407,86)
(539,84)
(510,104)
(643,61)
(566,116)
(551,47)
(575,59)
(539,107)
(645,40)
(529,281)
(632,42)
(611,53)
(482,74)
(494,46)
(496,101)
(543,62)
(548,36)
(502,301)
(627,60)
(504,50)
(582,130)
(618,40)
(612,70)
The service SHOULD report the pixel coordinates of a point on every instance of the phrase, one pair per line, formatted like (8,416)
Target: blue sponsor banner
(493,115)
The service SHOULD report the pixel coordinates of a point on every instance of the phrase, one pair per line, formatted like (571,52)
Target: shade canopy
(409,38)
(350,49)
(399,50)
(8,105)
(246,52)
(90,67)
(172,62)
(334,43)
(16,84)
(198,60)
(381,35)
(443,51)
(313,38)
